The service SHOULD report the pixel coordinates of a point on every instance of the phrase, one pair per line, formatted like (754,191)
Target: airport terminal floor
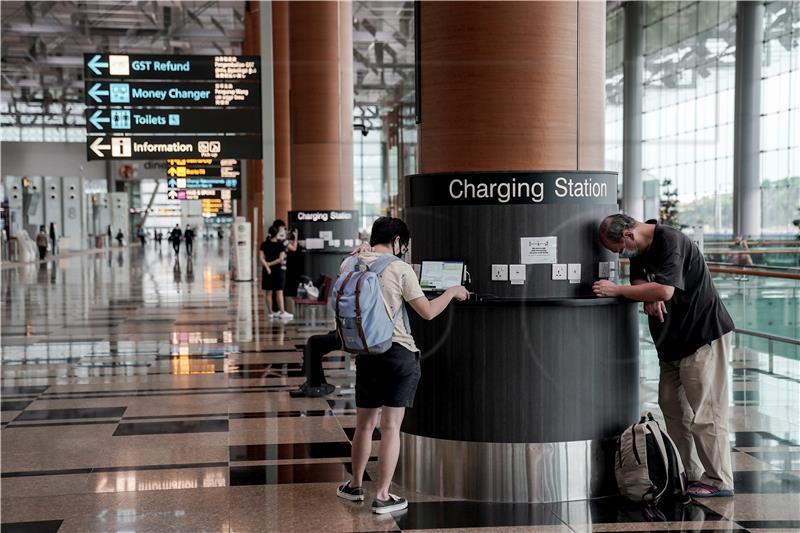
(143,394)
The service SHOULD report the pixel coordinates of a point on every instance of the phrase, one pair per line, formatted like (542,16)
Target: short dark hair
(273,231)
(613,226)
(385,229)
(278,223)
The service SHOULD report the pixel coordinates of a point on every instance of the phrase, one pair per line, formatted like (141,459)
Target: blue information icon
(120,93)
(174,120)
(120,119)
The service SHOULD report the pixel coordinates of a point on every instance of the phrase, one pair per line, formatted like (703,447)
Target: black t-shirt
(272,251)
(695,313)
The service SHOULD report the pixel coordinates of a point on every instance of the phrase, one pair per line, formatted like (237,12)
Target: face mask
(281,235)
(399,254)
(629,252)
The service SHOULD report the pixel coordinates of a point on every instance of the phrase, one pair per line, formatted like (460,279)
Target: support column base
(507,472)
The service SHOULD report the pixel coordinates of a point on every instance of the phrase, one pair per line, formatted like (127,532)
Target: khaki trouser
(693,396)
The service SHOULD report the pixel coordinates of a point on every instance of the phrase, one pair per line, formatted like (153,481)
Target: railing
(770,338)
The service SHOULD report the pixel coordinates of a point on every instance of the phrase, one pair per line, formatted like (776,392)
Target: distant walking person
(120,237)
(692,332)
(53,237)
(41,243)
(189,237)
(175,237)
(142,235)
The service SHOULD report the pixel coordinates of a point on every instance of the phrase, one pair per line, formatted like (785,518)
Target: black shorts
(273,281)
(389,379)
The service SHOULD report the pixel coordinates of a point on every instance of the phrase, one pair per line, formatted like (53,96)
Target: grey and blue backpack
(363,319)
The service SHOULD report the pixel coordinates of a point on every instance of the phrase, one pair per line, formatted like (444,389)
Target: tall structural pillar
(633,73)
(280,55)
(511,85)
(321,104)
(747,119)
(259,183)
(525,385)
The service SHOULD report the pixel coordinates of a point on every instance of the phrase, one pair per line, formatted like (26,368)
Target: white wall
(48,159)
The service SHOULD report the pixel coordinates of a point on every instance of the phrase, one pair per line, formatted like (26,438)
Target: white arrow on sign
(97,145)
(97,119)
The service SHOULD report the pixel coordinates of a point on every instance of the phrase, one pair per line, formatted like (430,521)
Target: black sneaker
(349,493)
(299,392)
(394,503)
(322,390)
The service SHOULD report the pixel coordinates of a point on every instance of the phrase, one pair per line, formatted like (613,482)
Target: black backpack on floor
(647,464)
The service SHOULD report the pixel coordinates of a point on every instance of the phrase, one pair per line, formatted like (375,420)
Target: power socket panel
(559,271)
(499,272)
(574,272)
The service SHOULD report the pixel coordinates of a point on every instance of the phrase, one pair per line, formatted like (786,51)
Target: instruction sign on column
(538,250)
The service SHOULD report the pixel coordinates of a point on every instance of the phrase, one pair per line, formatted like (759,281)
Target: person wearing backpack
(386,381)
(692,332)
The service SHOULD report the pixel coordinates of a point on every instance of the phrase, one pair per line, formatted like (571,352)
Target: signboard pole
(256,228)
(267,119)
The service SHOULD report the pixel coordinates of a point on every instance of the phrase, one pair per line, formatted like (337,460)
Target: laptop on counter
(437,276)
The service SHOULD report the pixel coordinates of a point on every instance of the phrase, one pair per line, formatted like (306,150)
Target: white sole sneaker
(351,497)
(399,506)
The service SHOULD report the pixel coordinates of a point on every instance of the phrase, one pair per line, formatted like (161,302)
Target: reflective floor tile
(158,479)
(757,507)
(293,473)
(14,405)
(615,510)
(70,414)
(350,432)
(464,514)
(43,526)
(259,452)
(178,426)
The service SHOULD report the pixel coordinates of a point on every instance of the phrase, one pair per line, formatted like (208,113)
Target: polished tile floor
(141,394)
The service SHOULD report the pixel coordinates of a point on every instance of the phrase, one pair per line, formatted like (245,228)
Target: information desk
(520,399)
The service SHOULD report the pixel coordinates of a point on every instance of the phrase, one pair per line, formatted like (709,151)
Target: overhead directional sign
(223,168)
(173,146)
(152,120)
(160,106)
(216,207)
(205,175)
(196,107)
(170,67)
(184,94)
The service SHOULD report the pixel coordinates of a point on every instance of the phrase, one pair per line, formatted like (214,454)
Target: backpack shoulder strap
(380,264)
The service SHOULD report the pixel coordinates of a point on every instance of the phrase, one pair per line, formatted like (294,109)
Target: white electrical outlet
(516,273)
(559,271)
(603,270)
(574,272)
(499,272)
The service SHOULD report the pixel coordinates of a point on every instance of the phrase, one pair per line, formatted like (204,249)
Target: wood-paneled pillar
(512,85)
(321,102)
(280,57)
